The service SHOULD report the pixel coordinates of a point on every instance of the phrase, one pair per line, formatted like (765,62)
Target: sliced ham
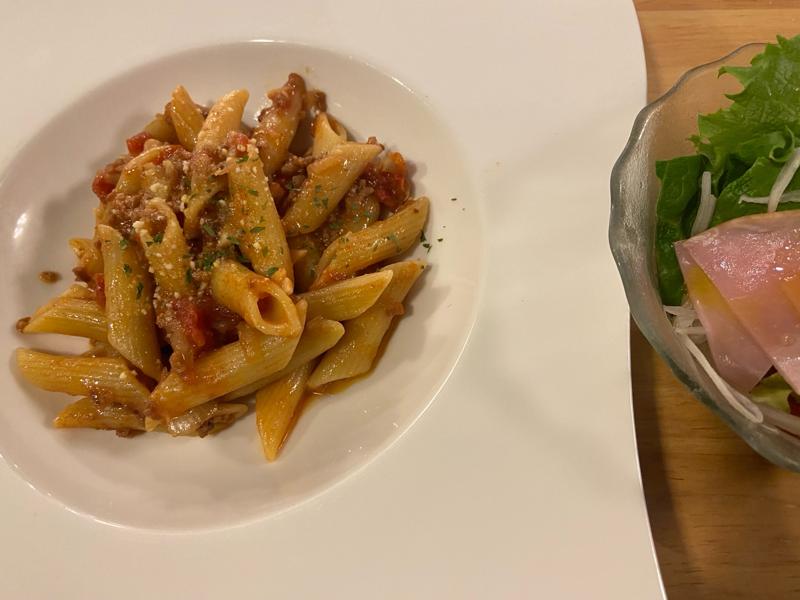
(749,261)
(736,355)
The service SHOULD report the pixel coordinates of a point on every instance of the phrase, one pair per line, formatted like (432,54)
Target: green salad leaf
(743,145)
(764,117)
(773,390)
(680,186)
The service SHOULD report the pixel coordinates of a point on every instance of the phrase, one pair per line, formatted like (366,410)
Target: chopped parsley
(252,192)
(207,260)
(127,268)
(393,238)
(157,239)
(242,159)
(123,243)
(256,229)
(453,199)
(139,288)
(439,239)
(271,271)
(233,240)
(209,229)
(427,246)
(188,276)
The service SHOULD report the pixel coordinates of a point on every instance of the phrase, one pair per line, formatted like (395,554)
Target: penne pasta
(105,380)
(75,313)
(90,261)
(354,354)
(167,252)
(186,117)
(224,370)
(328,180)
(347,299)
(224,116)
(129,303)
(255,219)
(257,299)
(160,129)
(130,180)
(276,409)
(305,268)
(243,255)
(277,124)
(382,240)
(209,418)
(327,135)
(319,336)
(88,413)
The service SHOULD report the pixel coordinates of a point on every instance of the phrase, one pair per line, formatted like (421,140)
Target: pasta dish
(228,261)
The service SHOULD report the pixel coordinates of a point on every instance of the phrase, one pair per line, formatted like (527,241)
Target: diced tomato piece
(192,321)
(136,142)
(101,186)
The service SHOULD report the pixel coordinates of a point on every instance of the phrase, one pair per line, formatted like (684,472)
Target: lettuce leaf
(763,120)
(773,390)
(679,195)
(756,181)
(744,147)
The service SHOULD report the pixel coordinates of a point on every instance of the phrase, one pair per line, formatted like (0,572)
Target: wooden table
(726,523)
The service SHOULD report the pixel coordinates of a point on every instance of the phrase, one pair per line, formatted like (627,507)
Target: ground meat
(49,276)
(106,178)
(122,210)
(389,180)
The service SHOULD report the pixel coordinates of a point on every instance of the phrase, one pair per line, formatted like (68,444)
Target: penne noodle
(243,255)
(327,135)
(167,253)
(160,129)
(255,219)
(276,408)
(305,268)
(224,370)
(347,299)
(72,313)
(129,303)
(329,179)
(277,124)
(90,261)
(257,299)
(130,180)
(101,349)
(88,413)
(319,336)
(224,116)
(186,118)
(209,418)
(105,380)
(355,251)
(354,354)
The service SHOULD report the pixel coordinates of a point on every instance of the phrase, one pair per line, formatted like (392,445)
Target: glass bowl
(661,131)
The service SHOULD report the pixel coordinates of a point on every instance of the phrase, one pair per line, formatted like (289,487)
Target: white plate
(523,467)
